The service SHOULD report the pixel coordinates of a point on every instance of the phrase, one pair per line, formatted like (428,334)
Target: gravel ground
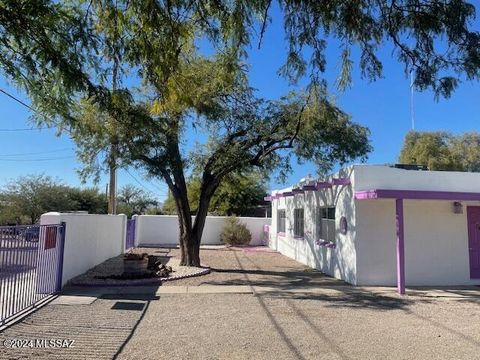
(234,266)
(309,316)
(98,276)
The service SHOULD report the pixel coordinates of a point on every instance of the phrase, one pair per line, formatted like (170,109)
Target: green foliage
(442,151)
(132,200)
(24,199)
(238,195)
(127,75)
(235,232)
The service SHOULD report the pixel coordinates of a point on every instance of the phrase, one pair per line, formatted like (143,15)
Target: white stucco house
(382,225)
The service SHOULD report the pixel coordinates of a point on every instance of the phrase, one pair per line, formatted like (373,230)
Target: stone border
(179,277)
(146,282)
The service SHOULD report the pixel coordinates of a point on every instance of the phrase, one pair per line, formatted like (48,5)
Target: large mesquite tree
(61,54)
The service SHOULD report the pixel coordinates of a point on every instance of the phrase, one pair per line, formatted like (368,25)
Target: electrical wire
(142,185)
(24,104)
(38,152)
(41,159)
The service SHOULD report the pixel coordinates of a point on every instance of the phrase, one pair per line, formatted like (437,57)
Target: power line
(17,100)
(23,129)
(38,152)
(41,159)
(24,104)
(139,183)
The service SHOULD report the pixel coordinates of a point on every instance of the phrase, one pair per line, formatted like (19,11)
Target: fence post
(63,230)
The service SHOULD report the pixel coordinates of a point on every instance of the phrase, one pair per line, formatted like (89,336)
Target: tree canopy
(442,150)
(239,195)
(131,77)
(24,199)
(135,201)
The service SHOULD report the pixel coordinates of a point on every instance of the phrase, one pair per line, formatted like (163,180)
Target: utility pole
(112,161)
(412,104)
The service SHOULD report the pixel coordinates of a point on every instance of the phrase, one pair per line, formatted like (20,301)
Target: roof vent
(411,167)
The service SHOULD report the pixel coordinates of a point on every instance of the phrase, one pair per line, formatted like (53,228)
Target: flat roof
(416,194)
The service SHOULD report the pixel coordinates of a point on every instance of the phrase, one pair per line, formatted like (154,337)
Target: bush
(235,233)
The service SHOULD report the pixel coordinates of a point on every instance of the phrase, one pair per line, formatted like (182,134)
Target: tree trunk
(190,236)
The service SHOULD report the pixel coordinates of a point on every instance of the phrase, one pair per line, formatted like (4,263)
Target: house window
(281,219)
(325,224)
(298,223)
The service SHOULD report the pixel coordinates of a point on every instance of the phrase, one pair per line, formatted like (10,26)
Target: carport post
(400,247)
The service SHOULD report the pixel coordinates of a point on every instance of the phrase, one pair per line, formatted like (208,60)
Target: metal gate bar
(31,264)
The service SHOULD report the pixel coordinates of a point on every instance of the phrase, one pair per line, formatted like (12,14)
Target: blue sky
(382,106)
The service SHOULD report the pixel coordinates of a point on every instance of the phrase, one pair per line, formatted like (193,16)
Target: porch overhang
(417,195)
(399,196)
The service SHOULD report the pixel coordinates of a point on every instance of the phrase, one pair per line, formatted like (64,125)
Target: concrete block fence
(89,239)
(154,230)
(92,238)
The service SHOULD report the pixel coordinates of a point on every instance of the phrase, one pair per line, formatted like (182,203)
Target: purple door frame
(473,219)
(400,246)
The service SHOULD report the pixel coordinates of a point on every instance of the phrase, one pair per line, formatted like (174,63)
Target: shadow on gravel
(349,299)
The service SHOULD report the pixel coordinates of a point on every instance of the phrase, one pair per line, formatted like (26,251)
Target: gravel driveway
(291,312)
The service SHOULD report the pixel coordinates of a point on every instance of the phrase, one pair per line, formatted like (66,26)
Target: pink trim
(400,247)
(416,194)
(473,217)
(327,244)
(323,185)
(341,181)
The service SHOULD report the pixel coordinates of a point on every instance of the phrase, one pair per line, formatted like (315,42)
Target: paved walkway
(254,306)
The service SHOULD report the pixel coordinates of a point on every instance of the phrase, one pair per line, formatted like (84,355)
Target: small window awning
(417,195)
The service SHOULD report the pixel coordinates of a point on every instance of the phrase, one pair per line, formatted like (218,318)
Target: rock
(154,262)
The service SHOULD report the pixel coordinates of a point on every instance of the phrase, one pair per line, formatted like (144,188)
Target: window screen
(298,223)
(325,224)
(281,219)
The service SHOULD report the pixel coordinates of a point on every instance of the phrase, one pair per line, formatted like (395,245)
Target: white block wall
(436,239)
(436,243)
(339,262)
(89,240)
(154,230)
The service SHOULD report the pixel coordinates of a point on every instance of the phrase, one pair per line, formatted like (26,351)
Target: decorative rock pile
(136,266)
(156,266)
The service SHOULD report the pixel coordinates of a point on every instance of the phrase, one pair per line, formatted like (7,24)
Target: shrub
(235,233)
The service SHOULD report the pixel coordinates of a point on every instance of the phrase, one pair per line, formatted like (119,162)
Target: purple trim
(400,247)
(297,191)
(323,185)
(288,193)
(268,198)
(278,195)
(416,194)
(473,219)
(341,181)
(327,244)
(62,231)
(309,188)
